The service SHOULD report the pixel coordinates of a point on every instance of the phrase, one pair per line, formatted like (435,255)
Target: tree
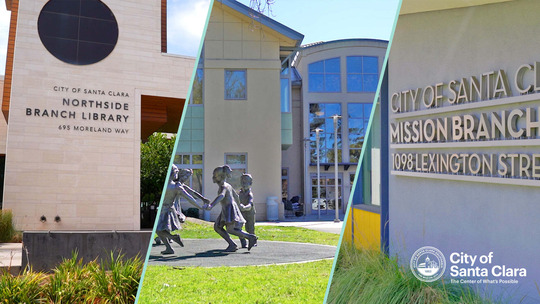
(262,6)
(156,155)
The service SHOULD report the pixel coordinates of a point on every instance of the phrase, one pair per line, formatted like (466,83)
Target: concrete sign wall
(464,142)
(74,130)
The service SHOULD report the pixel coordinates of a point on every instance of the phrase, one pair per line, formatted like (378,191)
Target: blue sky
(318,20)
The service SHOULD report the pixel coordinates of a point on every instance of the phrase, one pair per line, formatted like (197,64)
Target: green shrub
(117,280)
(70,281)
(24,288)
(7,229)
(364,276)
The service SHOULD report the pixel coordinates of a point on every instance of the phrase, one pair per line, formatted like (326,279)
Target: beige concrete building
(235,118)
(78,102)
(259,96)
(459,147)
(485,203)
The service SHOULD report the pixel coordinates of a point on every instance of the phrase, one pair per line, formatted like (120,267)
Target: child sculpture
(246,205)
(169,218)
(230,220)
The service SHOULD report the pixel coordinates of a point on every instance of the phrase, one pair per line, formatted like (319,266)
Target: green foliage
(7,229)
(117,280)
(363,276)
(72,281)
(290,283)
(25,288)
(191,212)
(155,158)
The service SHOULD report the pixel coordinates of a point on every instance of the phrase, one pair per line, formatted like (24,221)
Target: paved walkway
(315,225)
(210,253)
(324,222)
(10,256)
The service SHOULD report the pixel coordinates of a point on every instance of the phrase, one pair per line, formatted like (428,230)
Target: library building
(458,135)
(85,83)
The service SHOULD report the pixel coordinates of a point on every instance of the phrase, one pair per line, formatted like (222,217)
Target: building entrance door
(328,188)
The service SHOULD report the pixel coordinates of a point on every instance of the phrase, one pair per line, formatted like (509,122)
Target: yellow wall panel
(363,229)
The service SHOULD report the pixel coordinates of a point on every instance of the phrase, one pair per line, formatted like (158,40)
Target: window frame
(191,166)
(365,118)
(324,73)
(362,74)
(225,84)
(242,166)
(340,140)
(202,88)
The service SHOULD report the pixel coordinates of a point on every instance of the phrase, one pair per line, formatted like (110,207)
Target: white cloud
(186,21)
(4,34)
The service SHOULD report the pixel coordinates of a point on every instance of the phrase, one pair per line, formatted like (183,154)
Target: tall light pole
(318,173)
(335,117)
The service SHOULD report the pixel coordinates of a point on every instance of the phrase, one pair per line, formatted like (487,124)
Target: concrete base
(44,250)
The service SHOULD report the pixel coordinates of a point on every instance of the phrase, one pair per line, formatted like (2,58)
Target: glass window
(197,90)
(78,32)
(362,73)
(316,82)
(235,84)
(328,190)
(235,159)
(238,164)
(325,76)
(285,86)
(284,183)
(320,117)
(358,119)
(285,95)
(193,162)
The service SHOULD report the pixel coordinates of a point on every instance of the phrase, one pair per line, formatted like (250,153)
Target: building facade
(85,83)
(234,117)
(258,98)
(337,78)
(460,164)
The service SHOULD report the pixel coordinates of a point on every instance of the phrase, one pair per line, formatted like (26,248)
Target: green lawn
(194,229)
(291,283)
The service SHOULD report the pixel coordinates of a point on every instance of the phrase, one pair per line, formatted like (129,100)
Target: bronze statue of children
(169,217)
(246,205)
(230,220)
(183,177)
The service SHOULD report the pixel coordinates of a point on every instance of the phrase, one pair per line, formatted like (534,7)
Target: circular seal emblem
(428,264)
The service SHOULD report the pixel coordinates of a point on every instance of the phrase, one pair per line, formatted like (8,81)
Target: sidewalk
(11,256)
(325,223)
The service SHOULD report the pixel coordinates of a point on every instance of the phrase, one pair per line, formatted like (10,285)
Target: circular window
(78,31)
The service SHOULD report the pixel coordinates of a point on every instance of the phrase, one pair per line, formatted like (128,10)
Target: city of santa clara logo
(428,264)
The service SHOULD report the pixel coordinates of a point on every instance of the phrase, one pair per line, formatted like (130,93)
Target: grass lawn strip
(287,283)
(290,283)
(197,229)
